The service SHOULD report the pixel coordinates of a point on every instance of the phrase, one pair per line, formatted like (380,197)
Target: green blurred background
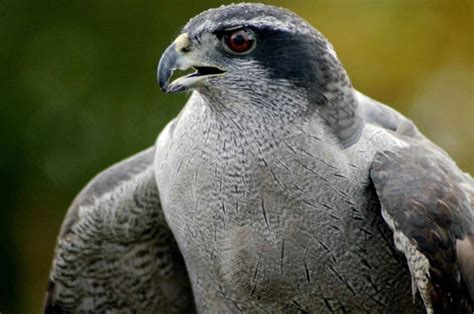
(78,92)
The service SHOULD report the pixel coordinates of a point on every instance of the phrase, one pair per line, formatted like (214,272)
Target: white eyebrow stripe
(260,21)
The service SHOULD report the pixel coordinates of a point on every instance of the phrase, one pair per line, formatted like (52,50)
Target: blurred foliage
(78,92)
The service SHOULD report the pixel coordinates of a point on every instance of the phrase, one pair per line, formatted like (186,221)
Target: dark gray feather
(115,251)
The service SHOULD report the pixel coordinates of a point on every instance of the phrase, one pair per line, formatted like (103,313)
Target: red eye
(240,41)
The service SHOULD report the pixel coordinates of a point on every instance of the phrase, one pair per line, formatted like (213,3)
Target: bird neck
(334,97)
(277,104)
(340,113)
(332,105)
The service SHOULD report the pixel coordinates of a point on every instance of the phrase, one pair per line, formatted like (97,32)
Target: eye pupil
(239,41)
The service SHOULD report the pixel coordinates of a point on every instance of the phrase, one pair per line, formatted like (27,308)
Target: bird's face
(247,50)
(211,56)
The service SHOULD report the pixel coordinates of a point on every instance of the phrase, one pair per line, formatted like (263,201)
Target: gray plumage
(278,188)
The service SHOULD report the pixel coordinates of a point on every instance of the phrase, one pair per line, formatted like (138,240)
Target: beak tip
(163,87)
(163,82)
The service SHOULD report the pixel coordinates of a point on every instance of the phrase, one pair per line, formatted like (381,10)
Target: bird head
(260,56)
(239,48)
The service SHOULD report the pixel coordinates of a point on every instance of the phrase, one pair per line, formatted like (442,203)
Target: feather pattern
(115,251)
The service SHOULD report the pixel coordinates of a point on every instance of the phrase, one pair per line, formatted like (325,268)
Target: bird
(279,187)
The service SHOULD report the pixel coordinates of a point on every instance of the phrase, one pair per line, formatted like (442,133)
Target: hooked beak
(176,57)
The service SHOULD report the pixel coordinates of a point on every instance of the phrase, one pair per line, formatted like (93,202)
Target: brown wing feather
(423,193)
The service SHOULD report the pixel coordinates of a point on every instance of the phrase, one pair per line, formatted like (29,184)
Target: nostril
(185,50)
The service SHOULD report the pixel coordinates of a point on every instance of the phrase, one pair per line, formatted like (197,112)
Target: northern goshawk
(278,188)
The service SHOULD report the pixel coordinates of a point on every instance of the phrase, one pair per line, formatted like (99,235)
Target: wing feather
(115,252)
(425,202)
